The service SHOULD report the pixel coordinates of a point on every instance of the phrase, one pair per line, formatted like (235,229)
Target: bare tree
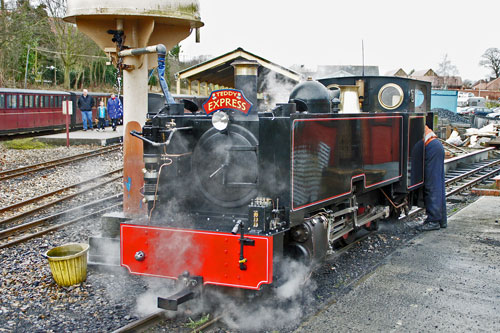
(68,41)
(22,26)
(491,59)
(446,68)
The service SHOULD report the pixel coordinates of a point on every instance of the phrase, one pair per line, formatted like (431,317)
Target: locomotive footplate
(214,256)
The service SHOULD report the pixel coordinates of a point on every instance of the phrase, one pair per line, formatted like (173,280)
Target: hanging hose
(162,52)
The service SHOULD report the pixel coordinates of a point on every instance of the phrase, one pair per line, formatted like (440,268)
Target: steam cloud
(279,308)
(277,89)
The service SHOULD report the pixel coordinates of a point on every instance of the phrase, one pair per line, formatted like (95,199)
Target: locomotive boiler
(230,190)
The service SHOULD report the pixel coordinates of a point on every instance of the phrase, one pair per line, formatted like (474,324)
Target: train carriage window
(42,101)
(390,96)
(32,101)
(11,101)
(20,101)
(2,101)
(27,101)
(46,101)
(51,102)
(37,101)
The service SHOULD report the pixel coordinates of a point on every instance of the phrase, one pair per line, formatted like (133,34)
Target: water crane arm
(161,50)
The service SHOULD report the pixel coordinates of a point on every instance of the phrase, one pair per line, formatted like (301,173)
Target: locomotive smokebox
(245,79)
(311,96)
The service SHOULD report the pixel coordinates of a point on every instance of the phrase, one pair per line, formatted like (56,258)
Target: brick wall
(488,94)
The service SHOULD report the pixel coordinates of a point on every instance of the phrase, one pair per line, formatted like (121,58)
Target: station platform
(446,280)
(89,137)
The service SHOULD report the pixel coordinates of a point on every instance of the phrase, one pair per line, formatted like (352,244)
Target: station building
(274,82)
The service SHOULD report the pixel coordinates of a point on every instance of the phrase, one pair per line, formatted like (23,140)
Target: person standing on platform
(101,115)
(434,183)
(114,110)
(85,104)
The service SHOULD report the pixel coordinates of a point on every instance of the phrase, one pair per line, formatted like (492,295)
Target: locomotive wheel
(347,238)
(395,213)
(338,244)
(372,226)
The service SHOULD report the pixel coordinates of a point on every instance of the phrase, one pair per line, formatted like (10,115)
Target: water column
(141,24)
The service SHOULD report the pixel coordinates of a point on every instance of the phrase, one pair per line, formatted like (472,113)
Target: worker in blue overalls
(434,191)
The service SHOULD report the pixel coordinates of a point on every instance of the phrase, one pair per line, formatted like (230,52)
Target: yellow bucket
(68,263)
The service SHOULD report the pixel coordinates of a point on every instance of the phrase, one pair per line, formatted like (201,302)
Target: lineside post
(66,112)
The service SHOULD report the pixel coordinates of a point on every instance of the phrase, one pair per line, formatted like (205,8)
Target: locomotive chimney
(245,79)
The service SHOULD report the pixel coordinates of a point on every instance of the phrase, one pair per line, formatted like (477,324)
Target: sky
(396,34)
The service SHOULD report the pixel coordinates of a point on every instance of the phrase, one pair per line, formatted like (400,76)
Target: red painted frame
(209,254)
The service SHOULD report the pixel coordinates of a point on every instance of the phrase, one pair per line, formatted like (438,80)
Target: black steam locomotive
(230,190)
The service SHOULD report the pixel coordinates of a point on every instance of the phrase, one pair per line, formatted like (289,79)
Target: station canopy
(218,71)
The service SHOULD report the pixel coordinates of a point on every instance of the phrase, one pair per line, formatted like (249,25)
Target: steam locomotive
(230,189)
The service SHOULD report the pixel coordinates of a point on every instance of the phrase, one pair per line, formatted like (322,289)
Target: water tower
(124,29)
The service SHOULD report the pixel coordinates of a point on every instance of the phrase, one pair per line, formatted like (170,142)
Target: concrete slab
(102,138)
(446,280)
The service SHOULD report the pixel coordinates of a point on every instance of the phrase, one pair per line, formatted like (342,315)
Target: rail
(51,203)
(7,174)
(61,225)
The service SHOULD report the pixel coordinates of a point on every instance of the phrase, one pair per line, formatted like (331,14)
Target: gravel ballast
(30,300)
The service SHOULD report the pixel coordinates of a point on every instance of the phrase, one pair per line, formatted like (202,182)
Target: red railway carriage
(27,110)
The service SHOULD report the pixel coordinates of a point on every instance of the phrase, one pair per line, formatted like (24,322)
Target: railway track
(464,178)
(15,223)
(467,173)
(59,200)
(452,149)
(147,322)
(115,201)
(12,173)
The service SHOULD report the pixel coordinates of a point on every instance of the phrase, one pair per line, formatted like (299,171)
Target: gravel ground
(21,188)
(31,301)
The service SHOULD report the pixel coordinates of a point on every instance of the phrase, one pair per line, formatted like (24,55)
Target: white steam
(278,308)
(277,90)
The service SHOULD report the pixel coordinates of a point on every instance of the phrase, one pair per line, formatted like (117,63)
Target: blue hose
(163,83)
